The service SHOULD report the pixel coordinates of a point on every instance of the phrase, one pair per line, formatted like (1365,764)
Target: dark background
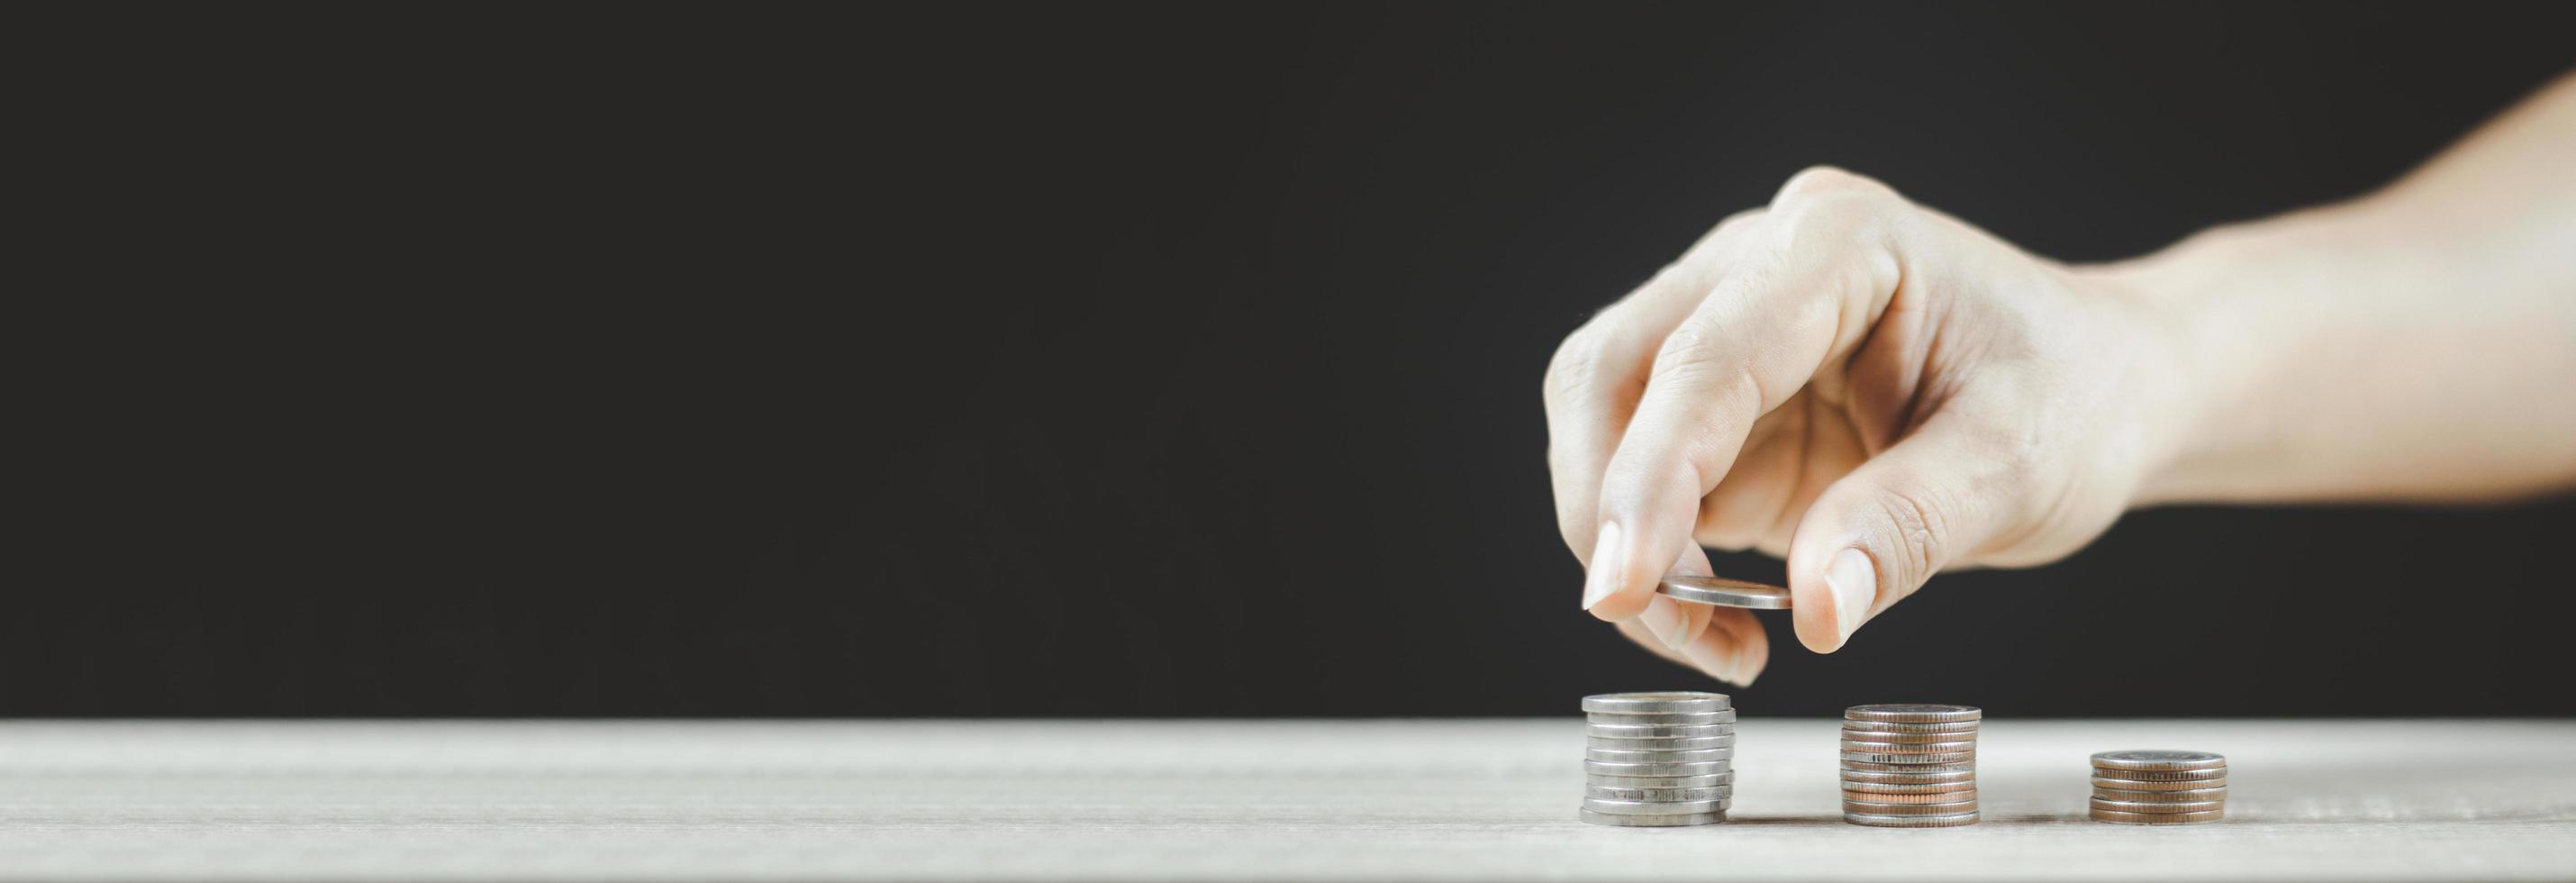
(1107,361)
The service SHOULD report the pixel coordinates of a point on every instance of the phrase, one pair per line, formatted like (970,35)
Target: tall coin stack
(2159,787)
(1910,765)
(1658,760)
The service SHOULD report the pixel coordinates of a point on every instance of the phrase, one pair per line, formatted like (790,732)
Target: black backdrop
(1112,361)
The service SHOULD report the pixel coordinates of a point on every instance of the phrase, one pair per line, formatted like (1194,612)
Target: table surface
(1450,799)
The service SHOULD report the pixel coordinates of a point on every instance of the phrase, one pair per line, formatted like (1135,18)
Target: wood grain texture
(1456,800)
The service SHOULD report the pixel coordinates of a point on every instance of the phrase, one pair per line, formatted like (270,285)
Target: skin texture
(1876,391)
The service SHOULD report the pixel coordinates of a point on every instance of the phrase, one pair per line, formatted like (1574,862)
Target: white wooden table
(1466,800)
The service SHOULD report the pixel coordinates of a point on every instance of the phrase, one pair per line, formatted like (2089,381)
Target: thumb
(1874,537)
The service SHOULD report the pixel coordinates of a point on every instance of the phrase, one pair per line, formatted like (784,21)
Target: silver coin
(1659,781)
(2183,795)
(1660,794)
(1853,726)
(1651,807)
(2110,784)
(1660,744)
(1671,821)
(2158,818)
(2213,774)
(1957,821)
(1854,766)
(1913,713)
(1910,775)
(1724,592)
(1894,759)
(1908,790)
(1851,797)
(1684,718)
(1605,768)
(2157,806)
(1701,756)
(1659,731)
(1852,735)
(2158,760)
(1884,808)
(1689,701)
(1910,747)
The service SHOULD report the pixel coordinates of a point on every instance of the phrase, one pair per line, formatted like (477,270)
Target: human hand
(1868,388)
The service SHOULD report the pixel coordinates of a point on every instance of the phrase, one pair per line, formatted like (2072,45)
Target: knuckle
(1817,179)
(1575,368)
(1918,532)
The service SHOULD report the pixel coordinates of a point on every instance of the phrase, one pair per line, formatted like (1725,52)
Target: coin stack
(1910,765)
(1658,760)
(2159,787)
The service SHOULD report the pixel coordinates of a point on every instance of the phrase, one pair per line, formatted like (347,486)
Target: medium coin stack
(1658,760)
(1910,765)
(2159,787)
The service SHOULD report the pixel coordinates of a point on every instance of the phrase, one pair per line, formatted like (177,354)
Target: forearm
(2418,344)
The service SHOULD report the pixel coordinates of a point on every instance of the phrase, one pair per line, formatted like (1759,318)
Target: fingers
(1597,374)
(1826,271)
(1874,537)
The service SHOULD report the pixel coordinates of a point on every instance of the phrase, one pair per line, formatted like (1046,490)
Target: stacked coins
(1658,760)
(2159,787)
(1909,765)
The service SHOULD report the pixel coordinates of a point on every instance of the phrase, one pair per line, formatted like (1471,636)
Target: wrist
(2201,371)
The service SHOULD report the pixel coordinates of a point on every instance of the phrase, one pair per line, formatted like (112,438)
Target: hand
(1871,389)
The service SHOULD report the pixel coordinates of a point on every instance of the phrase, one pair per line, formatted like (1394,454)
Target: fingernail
(1855,587)
(1603,578)
(1665,618)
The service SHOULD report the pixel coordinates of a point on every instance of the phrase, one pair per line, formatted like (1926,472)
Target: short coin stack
(1910,765)
(2159,787)
(1658,760)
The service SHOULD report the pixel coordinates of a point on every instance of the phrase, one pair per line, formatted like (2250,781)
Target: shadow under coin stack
(2159,787)
(1910,765)
(1658,760)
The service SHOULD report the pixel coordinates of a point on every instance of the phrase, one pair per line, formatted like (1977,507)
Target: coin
(1912,713)
(1854,766)
(1684,701)
(1871,821)
(1660,794)
(1894,759)
(1910,774)
(1651,807)
(1659,731)
(2158,818)
(2158,761)
(1697,717)
(2159,807)
(1701,744)
(1877,808)
(1659,781)
(1616,756)
(2162,797)
(2135,785)
(1606,768)
(1851,796)
(1853,726)
(1909,747)
(1851,787)
(1723,592)
(1670,821)
(1852,735)
(2219,773)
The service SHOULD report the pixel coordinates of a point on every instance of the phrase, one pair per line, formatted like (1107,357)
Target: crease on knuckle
(1575,369)
(1914,516)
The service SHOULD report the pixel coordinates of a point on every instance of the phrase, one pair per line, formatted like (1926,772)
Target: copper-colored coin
(2160,796)
(1850,787)
(1851,735)
(1853,726)
(2158,818)
(1875,820)
(1909,809)
(1968,766)
(2100,772)
(1900,758)
(2135,785)
(1851,796)
(2163,807)
(1907,774)
(2159,760)
(1909,747)
(1912,713)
